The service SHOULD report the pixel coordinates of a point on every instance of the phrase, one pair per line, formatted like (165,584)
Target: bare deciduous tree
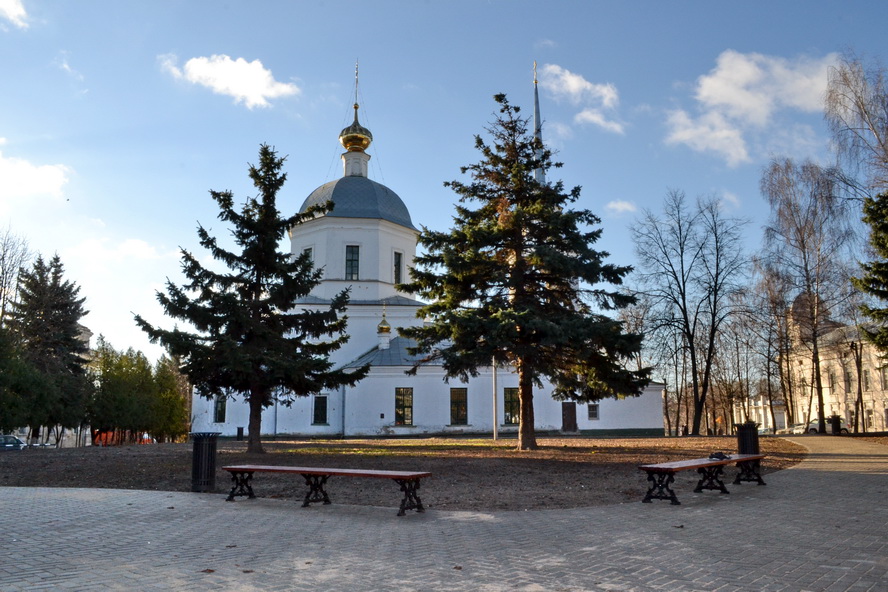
(857,113)
(807,240)
(14,255)
(769,306)
(691,263)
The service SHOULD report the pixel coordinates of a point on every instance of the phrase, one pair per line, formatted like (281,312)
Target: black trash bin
(836,424)
(203,461)
(747,438)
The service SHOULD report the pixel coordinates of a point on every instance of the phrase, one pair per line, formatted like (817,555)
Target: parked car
(11,443)
(814,426)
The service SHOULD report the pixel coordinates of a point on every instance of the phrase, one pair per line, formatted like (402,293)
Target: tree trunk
(254,429)
(666,411)
(818,386)
(526,428)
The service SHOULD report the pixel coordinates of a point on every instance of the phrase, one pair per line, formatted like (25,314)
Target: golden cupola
(356,137)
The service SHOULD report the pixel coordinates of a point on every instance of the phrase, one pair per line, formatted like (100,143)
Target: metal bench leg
(241,486)
(411,500)
(316,491)
(710,479)
(749,471)
(659,488)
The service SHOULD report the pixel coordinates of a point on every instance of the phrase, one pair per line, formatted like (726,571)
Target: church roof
(360,197)
(395,355)
(396,300)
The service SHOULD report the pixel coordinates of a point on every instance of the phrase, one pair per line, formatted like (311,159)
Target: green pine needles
(251,338)
(516,280)
(874,281)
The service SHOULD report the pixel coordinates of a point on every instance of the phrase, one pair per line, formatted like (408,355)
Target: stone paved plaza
(822,525)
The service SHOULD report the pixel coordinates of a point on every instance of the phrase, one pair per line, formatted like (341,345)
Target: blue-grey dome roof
(360,197)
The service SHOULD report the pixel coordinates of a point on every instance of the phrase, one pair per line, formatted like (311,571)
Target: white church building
(368,242)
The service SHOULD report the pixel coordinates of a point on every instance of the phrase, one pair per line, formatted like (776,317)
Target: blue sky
(117,118)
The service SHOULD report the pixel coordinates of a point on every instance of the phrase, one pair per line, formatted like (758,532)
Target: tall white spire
(538,174)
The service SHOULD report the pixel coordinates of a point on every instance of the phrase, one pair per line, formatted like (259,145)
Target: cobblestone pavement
(822,525)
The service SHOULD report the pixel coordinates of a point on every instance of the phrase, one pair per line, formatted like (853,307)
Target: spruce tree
(46,323)
(874,281)
(18,381)
(251,338)
(516,281)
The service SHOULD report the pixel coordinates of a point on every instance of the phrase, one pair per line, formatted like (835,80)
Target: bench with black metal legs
(662,475)
(316,478)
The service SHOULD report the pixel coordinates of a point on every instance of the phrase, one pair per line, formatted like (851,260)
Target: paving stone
(820,526)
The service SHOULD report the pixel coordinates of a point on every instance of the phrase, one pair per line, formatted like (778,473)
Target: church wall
(370,409)
(377,239)
(363,321)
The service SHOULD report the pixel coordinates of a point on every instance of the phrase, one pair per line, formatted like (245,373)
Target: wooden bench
(316,478)
(661,475)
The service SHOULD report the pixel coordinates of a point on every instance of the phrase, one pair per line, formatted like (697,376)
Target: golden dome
(383,327)
(355,138)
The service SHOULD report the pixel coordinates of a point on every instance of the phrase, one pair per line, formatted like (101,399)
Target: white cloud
(14,12)
(22,180)
(741,97)
(597,102)
(620,207)
(751,87)
(64,65)
(730,198)
(101,251)
(136,269)
(596,117)
(249,83)
(711,132)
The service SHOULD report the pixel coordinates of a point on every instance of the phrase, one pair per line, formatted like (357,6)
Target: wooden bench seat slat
(330,471)
(316,479)
(662,475)
(694,463)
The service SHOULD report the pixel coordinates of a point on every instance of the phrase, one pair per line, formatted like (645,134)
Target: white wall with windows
(371,408)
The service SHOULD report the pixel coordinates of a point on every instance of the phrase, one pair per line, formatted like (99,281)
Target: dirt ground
(467,474)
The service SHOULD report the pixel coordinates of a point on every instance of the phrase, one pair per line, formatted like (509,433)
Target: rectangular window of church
(866,380)
(847,382)
(593,411)
(832,379)
(404,406)
(883,378)
(219,410)
(511,407)
(459,410)
(352,260)
(397,265)
(309,252)
(319,413)
(869,419)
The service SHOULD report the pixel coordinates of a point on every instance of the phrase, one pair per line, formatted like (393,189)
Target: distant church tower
(367,243)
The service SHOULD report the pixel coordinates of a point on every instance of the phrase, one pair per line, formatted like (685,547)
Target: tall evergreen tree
(46,322)
(18,380)
(517,281)
(171,418)
(874,281)
(251,337)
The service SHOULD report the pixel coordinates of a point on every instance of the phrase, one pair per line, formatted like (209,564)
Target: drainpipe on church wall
(495,412)
(342,404)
